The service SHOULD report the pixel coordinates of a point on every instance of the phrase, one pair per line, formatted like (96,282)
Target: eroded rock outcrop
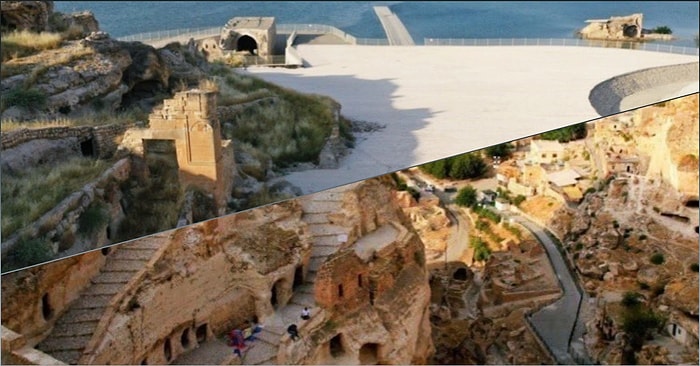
(29,15)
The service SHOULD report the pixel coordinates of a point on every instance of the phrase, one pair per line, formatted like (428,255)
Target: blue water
(446,19)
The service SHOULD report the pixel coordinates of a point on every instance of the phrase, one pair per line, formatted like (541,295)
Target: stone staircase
(75,328)
(325,241)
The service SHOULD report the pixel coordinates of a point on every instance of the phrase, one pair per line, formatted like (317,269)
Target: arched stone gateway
(255,35)
(247,43)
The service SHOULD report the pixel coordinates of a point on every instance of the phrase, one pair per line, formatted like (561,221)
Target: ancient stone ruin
(616,28)
(188,123)
(256,35)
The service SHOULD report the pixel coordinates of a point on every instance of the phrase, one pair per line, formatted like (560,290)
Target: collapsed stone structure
(615,28)
(163,297)
(189,121)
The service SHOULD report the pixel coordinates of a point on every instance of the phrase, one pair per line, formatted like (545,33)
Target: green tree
(504,150)
(439,168)
(467,166)
(662,30)
(466,197)
(566,134)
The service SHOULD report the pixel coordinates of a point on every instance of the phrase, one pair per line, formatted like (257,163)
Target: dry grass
(37,64)
(23,43)
(27,196)
(96,119)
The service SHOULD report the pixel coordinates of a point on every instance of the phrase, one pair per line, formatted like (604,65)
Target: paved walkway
(396,32)
(555,322)
(444,100)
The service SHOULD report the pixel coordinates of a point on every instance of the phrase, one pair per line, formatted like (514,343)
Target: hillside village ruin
(391,275)
(371,263)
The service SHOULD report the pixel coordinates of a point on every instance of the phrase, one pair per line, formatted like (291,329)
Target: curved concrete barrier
(607,96)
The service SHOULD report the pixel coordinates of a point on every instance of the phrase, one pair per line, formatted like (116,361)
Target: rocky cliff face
(89,71)
(29,15)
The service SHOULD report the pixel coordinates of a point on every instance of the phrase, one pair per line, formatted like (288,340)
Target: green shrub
(662,30)
(466,197)
(481,250)
(642,237)
(518,200)
(504,150)
(631,298)
(25,98)
(27,252)
(93,218)
(644,286)
(566,134)
(657,258)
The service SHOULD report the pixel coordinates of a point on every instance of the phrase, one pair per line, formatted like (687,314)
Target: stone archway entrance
(369,354)
(275,294)
(247,43)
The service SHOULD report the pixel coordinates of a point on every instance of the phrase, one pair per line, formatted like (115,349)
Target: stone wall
(105,138)
(211,277)
(33,299)
(62,220)
(383,313)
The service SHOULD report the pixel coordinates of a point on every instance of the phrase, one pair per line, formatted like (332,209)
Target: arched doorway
(460,274)
(247,43)
(275,294)
(368,354)
(336,346)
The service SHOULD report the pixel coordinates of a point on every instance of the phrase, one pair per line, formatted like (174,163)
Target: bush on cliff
(24,43)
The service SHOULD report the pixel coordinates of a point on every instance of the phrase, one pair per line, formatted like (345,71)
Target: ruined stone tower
(190,120)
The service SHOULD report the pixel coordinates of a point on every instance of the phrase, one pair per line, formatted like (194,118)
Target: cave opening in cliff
(167,350)
(274,298)
(336,346)
(692,203)
(298,277)
(46,309)
(144,361)
(87,148)
(368,354)
(201,333)
(460,274)
(247,43)
(185,338)
(105,251)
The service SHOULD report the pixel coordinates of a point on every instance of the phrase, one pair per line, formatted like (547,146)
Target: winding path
(555,322)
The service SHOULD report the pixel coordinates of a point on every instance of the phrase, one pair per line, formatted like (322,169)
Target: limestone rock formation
(615,28)
(29,15)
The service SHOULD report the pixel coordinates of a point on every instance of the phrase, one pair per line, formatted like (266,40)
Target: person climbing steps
(293,332)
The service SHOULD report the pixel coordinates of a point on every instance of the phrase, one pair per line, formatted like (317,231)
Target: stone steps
(113,277)
(317,207)
(104,289)
(315,263)
(323,251)
(71,357)
(123,265)
(316,218)
(326,229)
(65,343)
(260,352)
(76,327)
(92,301)
(327,241)
(134,254)
(269,337)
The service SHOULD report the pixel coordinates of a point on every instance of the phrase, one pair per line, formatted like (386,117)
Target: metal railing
(577,42)
(316,29)
(171,33)
(348,38)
